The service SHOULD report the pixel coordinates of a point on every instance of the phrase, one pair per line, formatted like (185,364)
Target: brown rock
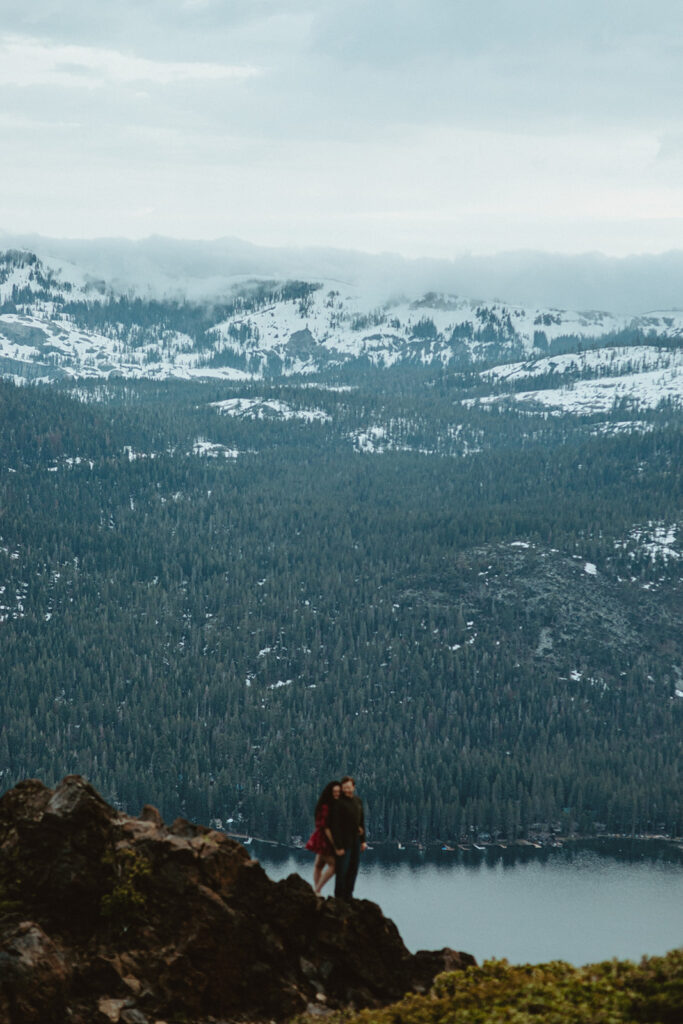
(34,976)
(148,921)
(149,813)
(428,963)
(111,1008)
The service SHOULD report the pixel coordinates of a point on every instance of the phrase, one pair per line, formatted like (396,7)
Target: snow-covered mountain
(58,321)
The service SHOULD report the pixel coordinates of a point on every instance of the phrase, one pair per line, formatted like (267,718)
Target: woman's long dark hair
(326,796)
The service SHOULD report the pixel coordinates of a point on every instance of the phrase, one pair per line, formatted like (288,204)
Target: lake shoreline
(629,847)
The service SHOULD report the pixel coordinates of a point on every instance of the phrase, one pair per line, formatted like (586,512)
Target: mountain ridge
(53,327)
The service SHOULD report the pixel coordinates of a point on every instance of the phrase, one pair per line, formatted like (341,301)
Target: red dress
(318,841)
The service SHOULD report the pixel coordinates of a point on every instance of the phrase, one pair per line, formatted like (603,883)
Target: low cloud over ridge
(631,285)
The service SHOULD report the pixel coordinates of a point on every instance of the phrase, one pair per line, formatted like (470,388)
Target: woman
(320,840)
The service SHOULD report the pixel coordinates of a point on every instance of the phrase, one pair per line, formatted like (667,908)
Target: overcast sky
(430,128)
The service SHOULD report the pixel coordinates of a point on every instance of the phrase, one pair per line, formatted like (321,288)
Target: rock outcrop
(107,917)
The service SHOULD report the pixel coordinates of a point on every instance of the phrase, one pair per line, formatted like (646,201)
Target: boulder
(35,976)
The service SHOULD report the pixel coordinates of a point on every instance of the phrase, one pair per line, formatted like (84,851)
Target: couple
(338,838)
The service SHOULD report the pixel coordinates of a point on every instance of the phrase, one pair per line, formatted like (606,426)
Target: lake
(574,904)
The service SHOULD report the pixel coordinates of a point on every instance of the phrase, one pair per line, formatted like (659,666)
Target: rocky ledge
(107,917)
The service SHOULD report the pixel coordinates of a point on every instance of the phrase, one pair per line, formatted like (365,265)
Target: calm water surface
(578,906)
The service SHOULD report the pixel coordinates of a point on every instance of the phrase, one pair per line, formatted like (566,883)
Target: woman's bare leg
(326,875)
(317,871)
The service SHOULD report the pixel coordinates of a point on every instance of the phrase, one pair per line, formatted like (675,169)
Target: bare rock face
(34,976)
(108,917)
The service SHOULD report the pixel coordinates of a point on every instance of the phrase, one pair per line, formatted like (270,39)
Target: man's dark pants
(346,871)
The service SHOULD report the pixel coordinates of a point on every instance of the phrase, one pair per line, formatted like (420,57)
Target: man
(347,827)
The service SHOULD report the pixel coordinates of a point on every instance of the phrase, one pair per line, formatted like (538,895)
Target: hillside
(454,569)
(56,322)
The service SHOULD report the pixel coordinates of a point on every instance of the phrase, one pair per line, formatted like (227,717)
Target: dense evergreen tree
(221,635)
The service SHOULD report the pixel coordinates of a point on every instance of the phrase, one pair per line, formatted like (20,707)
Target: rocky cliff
(107,917)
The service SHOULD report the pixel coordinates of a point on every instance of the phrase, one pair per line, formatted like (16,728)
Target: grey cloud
(172,29)
(630,285)
(533,62)
(396,33)
(350,68)
(354,104)
(671,147)
(376,32)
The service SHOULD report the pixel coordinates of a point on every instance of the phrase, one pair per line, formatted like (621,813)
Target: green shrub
(613,992)
(125,900)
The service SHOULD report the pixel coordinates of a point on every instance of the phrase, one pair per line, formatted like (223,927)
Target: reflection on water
(573,904)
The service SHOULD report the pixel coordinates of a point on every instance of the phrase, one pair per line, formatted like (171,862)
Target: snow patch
(261,408)
(212,450)
(655,539)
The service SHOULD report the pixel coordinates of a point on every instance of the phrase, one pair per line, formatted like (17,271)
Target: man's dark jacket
(346,819)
